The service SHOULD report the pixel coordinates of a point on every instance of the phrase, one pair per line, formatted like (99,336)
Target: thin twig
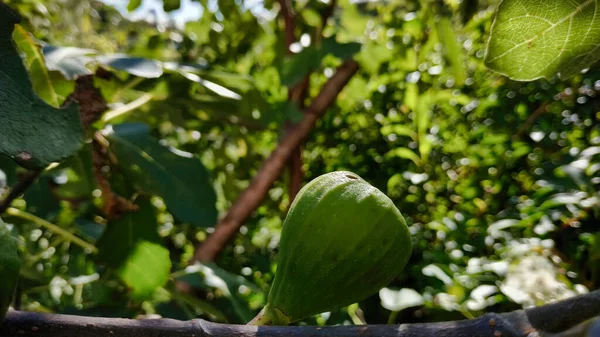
(568,318)
(28,179)
(68,236)
(120,111)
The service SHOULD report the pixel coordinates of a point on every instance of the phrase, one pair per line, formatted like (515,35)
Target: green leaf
(132,246)
(10,265)
(452,49)
(343,51)
(35,63)
(405,153)
(295,67)
(211,276)
(535,38)
(147,268)
(133,5)
(69,61)
(32,132)
(171,5)
(176,176)
(400,130)
(74,178)
(122,235)
(134,65)
(8,172)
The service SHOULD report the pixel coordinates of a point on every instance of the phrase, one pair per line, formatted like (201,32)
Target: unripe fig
(10,266)
(341,241)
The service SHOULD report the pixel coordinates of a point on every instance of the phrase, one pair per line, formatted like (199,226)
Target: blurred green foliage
(498,180)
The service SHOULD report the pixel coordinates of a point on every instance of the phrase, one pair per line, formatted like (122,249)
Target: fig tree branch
(567,318)
(251,198)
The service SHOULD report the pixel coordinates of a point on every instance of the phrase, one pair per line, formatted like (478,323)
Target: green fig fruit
(342,241)
(10,266)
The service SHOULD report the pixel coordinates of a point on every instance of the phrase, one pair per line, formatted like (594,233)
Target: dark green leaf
(9,268)
(178,177)
(8,172)
(343,51)
(295,67)
(122,235)
(171,5)
(132,246)
(74,178)
(32,132)
(210,275)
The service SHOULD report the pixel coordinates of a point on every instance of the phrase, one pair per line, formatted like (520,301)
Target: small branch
(28,179)
(531,119)
(273,166)
(289,19)
(324,18)
(68,236)
(122,110)
(568,318)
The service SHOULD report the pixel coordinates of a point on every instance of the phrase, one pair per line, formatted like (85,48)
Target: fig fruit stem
(260,319)
(270,316)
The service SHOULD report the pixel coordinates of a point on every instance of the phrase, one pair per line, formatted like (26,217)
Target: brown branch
(531,120)
(298,93)
(289,19)
(568,318)
(274,165)
(26,181)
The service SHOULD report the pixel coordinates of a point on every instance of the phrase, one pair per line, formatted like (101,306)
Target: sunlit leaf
(35,63)
(147,268)
(452,49)
(535,38)
(134,4)
(406,153)
(134,65)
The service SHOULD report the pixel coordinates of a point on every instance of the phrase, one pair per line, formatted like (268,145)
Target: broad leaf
(9,268)
(8,173)
(343,51)
(134,65)
(32,132)
(73,62)
(132,246)
(176,176)
(122,235)
(34,60)
(537,38)
(295,67)
(69,61)
(211,276)
(74,178)
(147,268)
